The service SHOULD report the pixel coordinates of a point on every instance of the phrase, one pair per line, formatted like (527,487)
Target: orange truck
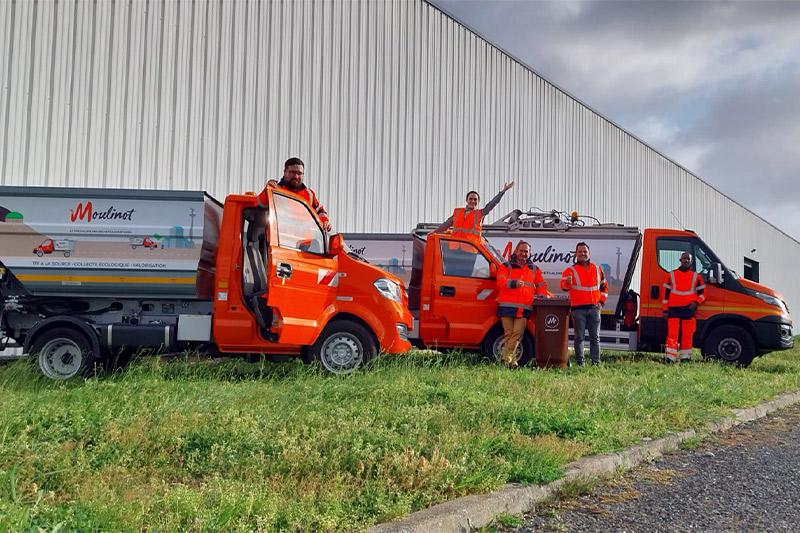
(238,278)
(452,287)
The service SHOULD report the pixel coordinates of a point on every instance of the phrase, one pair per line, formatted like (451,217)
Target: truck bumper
(397,342)
(773,334)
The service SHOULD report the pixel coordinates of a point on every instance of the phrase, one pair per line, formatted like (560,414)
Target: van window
(296,226)
(463,260)
(669,252)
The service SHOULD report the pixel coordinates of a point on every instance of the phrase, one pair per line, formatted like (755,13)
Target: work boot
(668,361)
(595,363)
(581,363)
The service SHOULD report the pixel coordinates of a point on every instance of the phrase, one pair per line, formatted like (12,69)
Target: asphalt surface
(745,479)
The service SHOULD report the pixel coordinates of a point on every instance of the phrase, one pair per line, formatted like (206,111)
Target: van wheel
(343,347)
(732,344)
(492,346)
(63,353)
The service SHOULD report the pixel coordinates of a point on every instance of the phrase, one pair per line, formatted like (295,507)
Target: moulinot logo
(85,212)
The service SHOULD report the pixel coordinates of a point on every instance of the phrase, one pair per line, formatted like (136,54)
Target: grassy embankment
(234,446)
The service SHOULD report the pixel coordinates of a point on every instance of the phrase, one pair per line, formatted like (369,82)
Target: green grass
(229,445)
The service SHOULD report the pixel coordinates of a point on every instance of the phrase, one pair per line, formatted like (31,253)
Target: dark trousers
(583,319)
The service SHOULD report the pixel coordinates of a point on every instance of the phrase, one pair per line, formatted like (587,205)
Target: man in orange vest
(684,291)
(588,290)
(469,219)
(518,281)
(293,171)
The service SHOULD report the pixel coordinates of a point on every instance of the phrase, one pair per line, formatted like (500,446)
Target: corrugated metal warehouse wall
(397,110)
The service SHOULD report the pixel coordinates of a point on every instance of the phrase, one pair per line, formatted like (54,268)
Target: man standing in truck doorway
(588,290)
(518,281)
(469,219)
(684,291)
(293,172)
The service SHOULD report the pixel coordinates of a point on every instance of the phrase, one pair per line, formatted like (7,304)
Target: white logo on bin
(551,321)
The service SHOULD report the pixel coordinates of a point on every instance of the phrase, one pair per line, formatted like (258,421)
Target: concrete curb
(471,512)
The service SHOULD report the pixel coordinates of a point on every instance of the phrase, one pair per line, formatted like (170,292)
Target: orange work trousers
(687,327)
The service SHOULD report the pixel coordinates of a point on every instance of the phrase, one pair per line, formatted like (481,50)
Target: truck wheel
(492,346)
(732,344)
(67,254)
(343,346)
(63,353)
(39,253)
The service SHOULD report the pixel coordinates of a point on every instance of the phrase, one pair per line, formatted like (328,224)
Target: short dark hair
(293,161)
(582,244)
(476,194)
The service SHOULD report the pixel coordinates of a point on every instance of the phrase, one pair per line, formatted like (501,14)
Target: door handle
(654,290)
(284,270)
(447,291)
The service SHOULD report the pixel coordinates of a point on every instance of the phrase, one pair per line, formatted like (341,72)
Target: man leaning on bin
(518,281)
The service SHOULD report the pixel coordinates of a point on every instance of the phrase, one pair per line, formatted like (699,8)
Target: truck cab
(453,295)
(739,318)
(282,287)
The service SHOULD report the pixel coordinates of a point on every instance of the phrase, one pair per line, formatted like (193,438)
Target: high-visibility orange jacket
(470,222)
(306,194)
(586,284)
(682,288)
(518,301)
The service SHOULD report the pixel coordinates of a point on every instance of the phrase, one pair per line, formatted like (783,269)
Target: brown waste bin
(552,332)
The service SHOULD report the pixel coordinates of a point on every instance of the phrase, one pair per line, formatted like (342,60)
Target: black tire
(491,347)
(63,353)
(67,254)
(39,253)
(731,344)
(343,347)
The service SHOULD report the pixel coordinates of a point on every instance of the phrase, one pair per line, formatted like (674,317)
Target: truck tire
(63,353)
(342,347)
(492,346)
(731,344)
(67,254)
(39,253)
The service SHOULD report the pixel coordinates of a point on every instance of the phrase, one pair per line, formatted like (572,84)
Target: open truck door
(302,276)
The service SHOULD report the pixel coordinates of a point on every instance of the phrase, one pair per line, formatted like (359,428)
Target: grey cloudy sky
(713,85)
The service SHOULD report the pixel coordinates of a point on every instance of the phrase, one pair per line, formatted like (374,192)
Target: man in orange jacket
(588,290)
(684,291)
(293,172)
(518,281)
(469,219)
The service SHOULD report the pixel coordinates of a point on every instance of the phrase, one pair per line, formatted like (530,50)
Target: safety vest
(586,284)
(467,222)
(683,287)
(520,298)
(307,194)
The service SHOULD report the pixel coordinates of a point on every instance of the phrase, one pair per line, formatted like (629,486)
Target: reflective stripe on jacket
(586,284)
(519,298)
(467,222)
(683,287)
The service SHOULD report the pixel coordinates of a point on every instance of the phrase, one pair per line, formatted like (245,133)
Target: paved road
(746,479)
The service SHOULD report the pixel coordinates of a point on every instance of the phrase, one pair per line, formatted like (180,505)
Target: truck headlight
(771,300)
(388,289)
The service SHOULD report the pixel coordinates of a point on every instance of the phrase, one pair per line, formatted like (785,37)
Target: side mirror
(492,270)
(335,245)
(717,276)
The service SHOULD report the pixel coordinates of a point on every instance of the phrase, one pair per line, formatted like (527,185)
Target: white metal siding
(396,109)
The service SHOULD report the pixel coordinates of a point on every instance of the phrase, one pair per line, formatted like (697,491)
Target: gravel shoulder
(744,479)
